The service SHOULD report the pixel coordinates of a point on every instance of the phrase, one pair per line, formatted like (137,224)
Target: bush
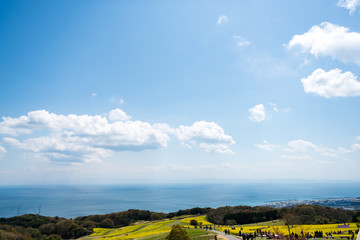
(107,223)
(178,233)
(193,222)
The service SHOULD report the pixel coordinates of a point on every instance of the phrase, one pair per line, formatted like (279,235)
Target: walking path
(230,237)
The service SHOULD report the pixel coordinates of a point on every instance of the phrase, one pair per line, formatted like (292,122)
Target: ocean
(73,201)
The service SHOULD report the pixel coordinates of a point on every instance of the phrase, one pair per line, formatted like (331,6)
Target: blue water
(73,201)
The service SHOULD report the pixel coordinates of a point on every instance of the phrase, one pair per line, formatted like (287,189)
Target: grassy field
(158,230)
(335,229)
(200,219)
(148,231)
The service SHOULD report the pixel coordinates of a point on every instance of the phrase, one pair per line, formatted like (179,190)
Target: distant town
(343,203)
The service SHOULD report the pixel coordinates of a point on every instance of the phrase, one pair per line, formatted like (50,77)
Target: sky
(120,92)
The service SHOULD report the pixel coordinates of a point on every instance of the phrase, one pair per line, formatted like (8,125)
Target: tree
(178,233)
(193,222)
(290,219)
(106,223)
(64,228)
(48,229)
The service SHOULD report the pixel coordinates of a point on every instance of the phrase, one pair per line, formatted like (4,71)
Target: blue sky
(111,92)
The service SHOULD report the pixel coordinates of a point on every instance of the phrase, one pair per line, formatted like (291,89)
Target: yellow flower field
(135,231)
(151,229)
(199,219)
(325,228)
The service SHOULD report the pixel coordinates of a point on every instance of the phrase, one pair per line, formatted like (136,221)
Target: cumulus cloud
(2,151)
(332,84)
(241,41)
(257,113)
(302,149)
(208,135)
(222,19)
(61,148)
(118,115)
(85,138)
(331,40)
(350,5)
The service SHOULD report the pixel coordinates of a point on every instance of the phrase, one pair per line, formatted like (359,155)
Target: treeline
(300,214)
(119,219)
(191,211)
(315,214)
(31,226)
(242,215)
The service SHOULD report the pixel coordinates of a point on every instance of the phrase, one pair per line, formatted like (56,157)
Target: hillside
(134,224)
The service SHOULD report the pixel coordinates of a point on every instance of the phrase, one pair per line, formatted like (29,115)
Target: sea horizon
(71,201)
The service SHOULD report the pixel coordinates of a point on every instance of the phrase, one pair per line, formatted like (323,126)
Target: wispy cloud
(267,146)
(222,19)
(302,149)
(241,41)
(116,100)
(350,5)
(2,151)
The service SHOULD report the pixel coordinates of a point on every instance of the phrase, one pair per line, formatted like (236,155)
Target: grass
(100,231)
(200,219)
(192,232)
(268,223)
(158,230)
(333,228)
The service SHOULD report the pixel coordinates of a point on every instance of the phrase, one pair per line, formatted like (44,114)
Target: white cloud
(350,5)
(331,40)
(274,106)
(94,94)
(300,145)
(267,146)
(116,100)
(302,149)
(353,148)
(296,157)
(118,115)
(216,148)
(222,19)
(257,113)
(62,148)
(332,84)
(241,42)
(2,151)
(208,135)
(83,138)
